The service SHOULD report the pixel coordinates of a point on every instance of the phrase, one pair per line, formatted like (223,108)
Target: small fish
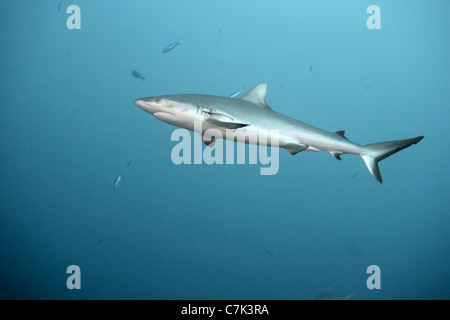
(355,174)
(100,241)
(60,5)
(117,182)
(137,75)
(310,68)
(129,162)
(368,86)
(170,47)
(354,251)
(270,253)
(328,295)
(235,94)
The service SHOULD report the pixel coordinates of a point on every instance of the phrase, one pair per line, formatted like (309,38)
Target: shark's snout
(140,103)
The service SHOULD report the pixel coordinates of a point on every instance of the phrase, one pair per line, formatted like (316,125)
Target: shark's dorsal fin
(341,133)
(257,95)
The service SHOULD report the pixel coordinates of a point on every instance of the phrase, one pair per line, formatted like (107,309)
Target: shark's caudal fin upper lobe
(375,152)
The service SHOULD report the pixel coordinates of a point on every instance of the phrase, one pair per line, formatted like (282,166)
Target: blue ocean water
(69,128)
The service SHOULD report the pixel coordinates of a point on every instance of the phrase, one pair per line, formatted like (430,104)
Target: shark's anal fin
(337,155)
(294,147)
(257,95)
(226,125)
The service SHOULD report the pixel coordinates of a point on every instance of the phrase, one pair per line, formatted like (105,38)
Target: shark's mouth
(165,116)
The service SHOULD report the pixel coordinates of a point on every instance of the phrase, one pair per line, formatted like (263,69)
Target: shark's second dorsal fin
(257,95)
(341,133)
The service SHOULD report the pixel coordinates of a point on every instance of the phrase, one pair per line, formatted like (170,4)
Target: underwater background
(69,128)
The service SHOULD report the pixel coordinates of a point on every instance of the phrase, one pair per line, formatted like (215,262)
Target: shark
(331,296)
(251,115)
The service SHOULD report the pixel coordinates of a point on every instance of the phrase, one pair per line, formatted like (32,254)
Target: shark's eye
(157,100)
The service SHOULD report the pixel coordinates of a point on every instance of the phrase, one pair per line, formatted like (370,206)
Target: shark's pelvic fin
(257,95)
(209,141)
(294,147)
(375,152)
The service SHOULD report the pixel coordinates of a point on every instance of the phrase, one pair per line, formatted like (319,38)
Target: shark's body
(250,115)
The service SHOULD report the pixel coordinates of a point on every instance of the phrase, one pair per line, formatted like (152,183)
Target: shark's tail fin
(375,152)
(142,78)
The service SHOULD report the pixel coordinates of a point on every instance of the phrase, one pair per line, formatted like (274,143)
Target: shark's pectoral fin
(257,95)
(294,147)
(226,124)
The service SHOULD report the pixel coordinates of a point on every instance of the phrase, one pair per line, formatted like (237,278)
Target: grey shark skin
(331,296)
(250,114)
